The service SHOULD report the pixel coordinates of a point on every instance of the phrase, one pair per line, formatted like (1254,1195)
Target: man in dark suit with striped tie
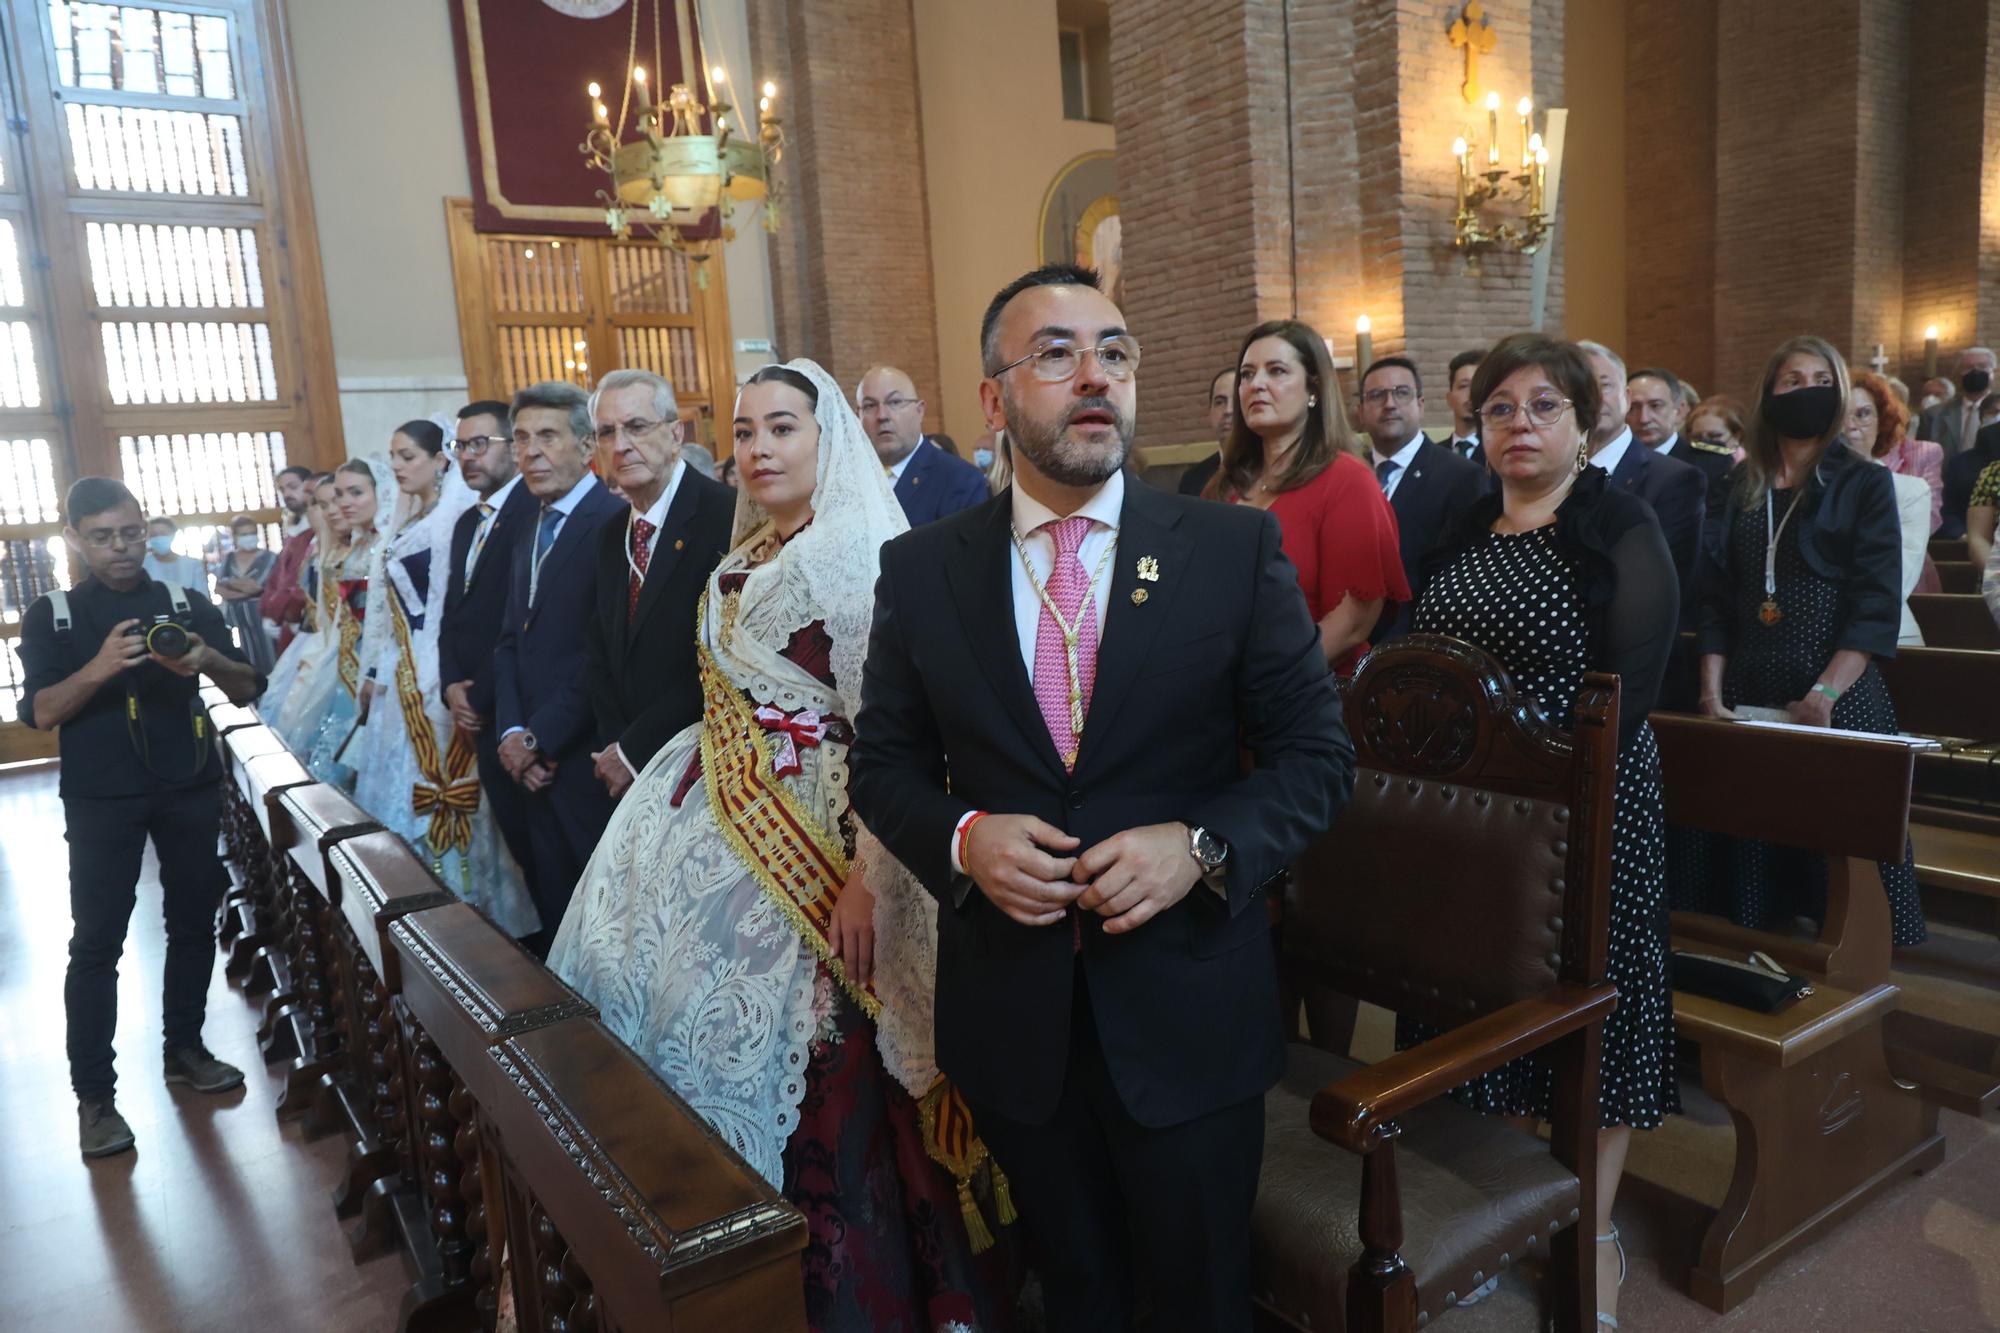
(475,602)
(547,731)
(1427,484)
(652,569)
(929,482)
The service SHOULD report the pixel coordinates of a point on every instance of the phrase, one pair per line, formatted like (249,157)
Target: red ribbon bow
(803,728)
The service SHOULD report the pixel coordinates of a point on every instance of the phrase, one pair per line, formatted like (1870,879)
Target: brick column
(851,265)
(1669,172)
(1269,168)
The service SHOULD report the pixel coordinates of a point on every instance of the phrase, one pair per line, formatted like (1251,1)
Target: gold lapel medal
(1149,569)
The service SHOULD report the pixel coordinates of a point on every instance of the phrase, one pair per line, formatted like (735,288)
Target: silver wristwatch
(1209,852)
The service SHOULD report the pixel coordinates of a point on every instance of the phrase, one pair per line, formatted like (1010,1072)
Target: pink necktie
(1068,587)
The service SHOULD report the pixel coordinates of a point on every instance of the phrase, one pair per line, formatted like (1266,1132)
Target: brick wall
(1881,109)
(1945,115)
(851,268)
(1669,172)
(1199,91)
(1785,181)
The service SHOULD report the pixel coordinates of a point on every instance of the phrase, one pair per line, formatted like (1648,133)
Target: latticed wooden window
(534,308)
(161,307)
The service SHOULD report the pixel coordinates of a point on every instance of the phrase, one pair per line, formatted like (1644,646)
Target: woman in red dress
(1291,451)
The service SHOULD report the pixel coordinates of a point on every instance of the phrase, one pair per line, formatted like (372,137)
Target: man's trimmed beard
(1063,460)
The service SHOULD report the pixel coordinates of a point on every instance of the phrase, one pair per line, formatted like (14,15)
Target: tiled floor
(221,1218)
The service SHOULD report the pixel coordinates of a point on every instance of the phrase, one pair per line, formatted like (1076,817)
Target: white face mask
(249,542)
(1930,402)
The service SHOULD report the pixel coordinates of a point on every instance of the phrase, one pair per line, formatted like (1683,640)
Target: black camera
(163,635)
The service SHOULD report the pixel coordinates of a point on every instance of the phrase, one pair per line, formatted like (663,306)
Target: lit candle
(770,89)
(1493,129)
(639,77)
(594,91)
(1541,181)
(1930,350)
(1364,347)
(1458,151)
(603,114)
(718,76)
(1521,109)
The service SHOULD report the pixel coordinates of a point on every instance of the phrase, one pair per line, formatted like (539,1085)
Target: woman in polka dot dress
(1801,590)
(1557,574)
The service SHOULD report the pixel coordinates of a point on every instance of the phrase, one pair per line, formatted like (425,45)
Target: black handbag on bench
(1758,984)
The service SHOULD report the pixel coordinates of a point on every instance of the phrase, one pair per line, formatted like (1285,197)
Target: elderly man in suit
(475,603)
(1427,483)
(1657,412)
(1955,422)
(543,712)
(652,568)
(1058,688)
(1677,491)
(929,482)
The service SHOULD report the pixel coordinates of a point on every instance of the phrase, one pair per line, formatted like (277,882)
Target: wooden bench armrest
(1355,1111)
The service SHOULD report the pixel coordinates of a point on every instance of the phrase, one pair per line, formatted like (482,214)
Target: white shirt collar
(1407,455)
(499,498)
(567,504)
(1667,446)
(897,468)
(1612,454)
(657,514)
(1103,507)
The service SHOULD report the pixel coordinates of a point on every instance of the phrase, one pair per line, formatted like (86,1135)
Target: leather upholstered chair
(1468,885)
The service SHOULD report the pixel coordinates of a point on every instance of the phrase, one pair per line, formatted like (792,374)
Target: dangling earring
(1312,400)
(1583,453)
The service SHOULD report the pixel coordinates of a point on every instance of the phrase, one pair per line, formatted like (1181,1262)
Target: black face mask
(1975,382)
(1803,414)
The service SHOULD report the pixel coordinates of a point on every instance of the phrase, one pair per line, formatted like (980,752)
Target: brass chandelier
(686,158)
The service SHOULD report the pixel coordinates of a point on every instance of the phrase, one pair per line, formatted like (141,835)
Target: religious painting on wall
(1080,222)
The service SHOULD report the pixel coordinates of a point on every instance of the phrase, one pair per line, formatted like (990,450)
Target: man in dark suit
(1106,992)
(1677,491)
(1955,423)
(475,603)
(1464,439)
(1427,484)
(651,570)
(1657,412)
(543,695)
(929,482)
(1961,474)
(1221,420)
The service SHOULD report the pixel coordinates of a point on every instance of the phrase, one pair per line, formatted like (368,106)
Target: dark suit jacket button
(1076,800)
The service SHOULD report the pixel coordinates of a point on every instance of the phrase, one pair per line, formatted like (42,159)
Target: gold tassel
(975,1225)
(1003,1198)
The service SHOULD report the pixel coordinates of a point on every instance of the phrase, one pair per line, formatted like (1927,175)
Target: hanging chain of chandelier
(675,163)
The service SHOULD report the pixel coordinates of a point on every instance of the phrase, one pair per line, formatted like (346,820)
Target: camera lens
(168,640)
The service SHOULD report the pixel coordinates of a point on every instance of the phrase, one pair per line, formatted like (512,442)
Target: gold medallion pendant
(1769,612)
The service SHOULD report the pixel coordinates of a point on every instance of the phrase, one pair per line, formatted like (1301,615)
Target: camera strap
(59,605)
(134,717)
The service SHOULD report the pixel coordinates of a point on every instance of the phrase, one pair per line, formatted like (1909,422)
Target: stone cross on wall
(1471,31)
(1880,361)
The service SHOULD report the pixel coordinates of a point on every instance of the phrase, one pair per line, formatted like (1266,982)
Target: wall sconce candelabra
(1494,187)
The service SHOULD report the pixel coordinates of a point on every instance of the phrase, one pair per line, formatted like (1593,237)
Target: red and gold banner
(523,66)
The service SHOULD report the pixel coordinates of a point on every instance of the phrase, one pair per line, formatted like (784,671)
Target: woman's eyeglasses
(1541,410)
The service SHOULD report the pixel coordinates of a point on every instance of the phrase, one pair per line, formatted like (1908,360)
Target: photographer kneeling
(114,663)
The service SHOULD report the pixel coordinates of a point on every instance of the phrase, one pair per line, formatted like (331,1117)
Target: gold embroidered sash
(449,791)
(801,866)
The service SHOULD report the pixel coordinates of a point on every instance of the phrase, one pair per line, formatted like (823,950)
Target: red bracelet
(965,839)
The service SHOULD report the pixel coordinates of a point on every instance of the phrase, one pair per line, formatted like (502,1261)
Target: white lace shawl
(826,572)
(414,533)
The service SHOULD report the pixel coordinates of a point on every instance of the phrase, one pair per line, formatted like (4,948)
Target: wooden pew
(1796,1083)
(1467,884)
(1957,576)
(242,742)
(376,879)
(1955,832)
(307,822)
(259,768)
(1955,620)
(462,988)
(1949,549)
(620,1207)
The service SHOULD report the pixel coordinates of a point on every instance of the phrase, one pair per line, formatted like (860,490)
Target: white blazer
(1913,508)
